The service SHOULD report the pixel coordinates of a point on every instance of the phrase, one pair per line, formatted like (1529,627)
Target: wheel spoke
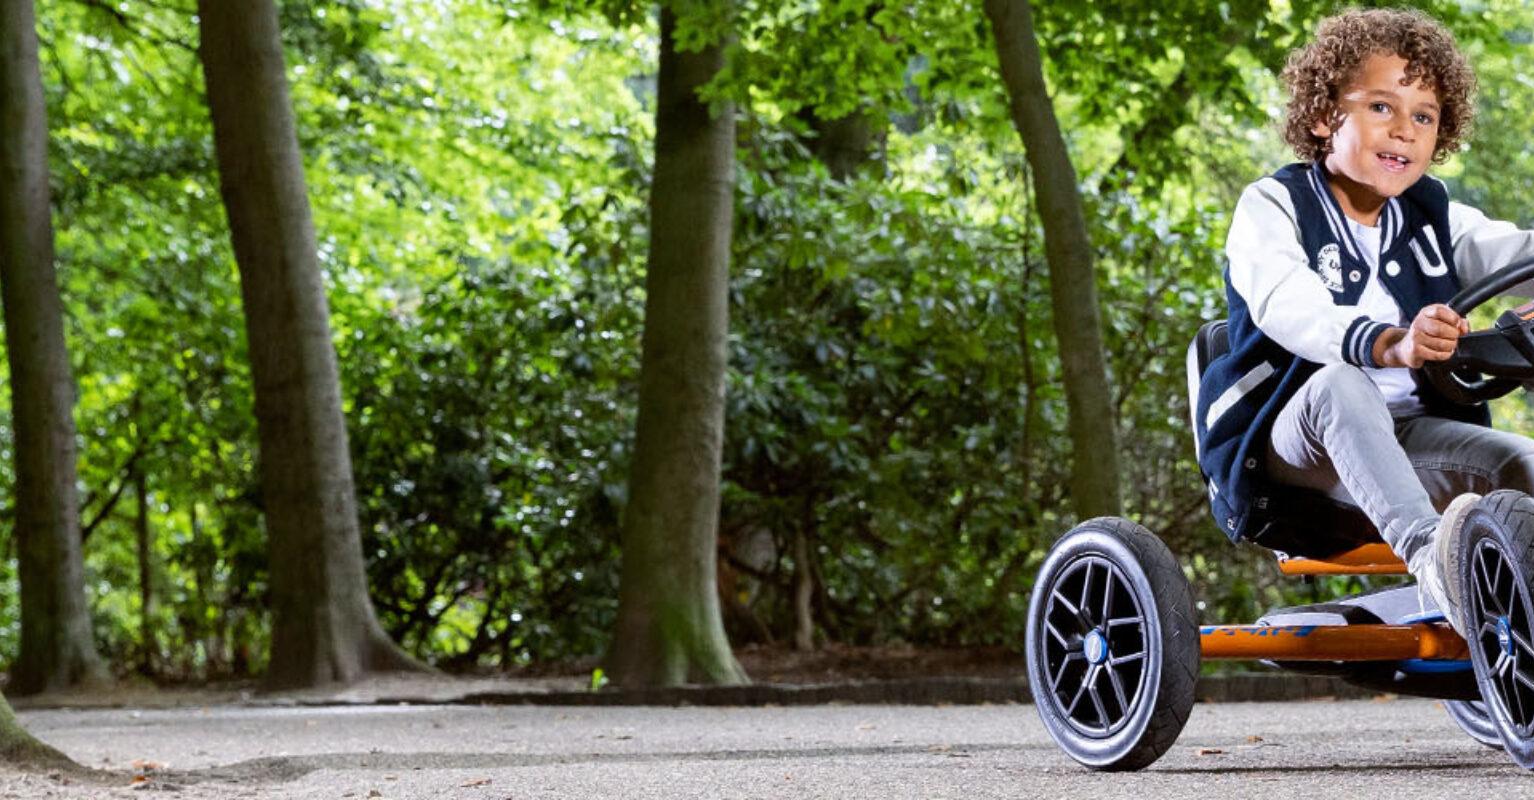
(1507,587)
(1123,621)
(1502,663)
(1478,597)
(1488,591)
(1059,637)
(1081,691)
(1054,682)
(1097,703)
(1140,656)
(1066,601)
(1512,689)
(1523,643)
(1508,688)
(1118,689)
(1522,678)
(1086,593)
(1108,583)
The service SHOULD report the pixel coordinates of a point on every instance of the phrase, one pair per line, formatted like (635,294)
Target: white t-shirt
(1394,383)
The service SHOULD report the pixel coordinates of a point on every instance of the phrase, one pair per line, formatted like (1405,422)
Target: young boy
(1339,271)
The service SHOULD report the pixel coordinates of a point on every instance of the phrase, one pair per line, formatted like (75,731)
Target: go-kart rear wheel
(1495,564)
(1113,650)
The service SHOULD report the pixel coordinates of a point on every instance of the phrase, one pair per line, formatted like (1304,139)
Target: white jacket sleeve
(1286,299)
(1483,246)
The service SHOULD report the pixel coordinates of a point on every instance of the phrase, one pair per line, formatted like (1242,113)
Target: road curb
(916,691)
(926,691)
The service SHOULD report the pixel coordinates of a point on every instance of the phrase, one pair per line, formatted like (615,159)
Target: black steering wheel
(1488,364)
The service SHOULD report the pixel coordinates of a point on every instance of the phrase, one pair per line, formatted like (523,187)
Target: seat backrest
(1211,341)
(1303,522)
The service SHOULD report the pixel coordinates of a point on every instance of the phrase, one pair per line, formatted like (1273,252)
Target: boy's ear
(1326,124)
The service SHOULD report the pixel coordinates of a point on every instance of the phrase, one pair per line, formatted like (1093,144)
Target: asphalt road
(1377,749)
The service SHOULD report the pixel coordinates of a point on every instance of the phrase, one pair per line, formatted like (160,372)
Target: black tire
(1472,718)
(1113,649)
(1496,555)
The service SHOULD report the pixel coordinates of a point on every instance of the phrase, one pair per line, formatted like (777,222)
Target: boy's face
(1386,136)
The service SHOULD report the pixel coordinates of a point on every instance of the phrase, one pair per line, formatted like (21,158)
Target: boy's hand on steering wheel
(1432,336)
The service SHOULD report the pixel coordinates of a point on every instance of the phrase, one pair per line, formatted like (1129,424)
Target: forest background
(896,452)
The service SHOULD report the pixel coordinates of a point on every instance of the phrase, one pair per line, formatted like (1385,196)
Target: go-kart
(1113,644)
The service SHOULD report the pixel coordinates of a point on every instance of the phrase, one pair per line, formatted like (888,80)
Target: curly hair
(1317,73)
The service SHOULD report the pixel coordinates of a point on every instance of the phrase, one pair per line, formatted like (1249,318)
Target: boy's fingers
(1441,312)
(1437,330)
(1437,349)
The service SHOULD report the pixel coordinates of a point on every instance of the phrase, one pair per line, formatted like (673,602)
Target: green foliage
(880,391)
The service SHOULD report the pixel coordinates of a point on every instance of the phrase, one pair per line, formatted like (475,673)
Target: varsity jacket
(1293,281)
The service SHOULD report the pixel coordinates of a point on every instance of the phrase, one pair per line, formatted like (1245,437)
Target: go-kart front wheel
(1472,718)
(1495,564)
(1112,649)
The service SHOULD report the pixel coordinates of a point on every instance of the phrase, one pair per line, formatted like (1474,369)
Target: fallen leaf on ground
(1210,751)
(146,766)
(1254,738)
(475,782)
(867,726)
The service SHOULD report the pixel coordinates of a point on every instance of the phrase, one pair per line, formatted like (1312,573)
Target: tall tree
(669,629)
(151,649)
(1068,249)
(57,650)
(325,628)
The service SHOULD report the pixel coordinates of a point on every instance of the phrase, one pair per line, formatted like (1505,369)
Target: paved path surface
(1377,749)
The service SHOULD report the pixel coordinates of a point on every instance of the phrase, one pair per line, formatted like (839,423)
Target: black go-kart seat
(1304,523)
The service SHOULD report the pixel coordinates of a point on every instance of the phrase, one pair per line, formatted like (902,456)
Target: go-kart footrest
(1369,559)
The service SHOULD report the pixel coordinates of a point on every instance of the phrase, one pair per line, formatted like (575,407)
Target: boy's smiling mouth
(1393,162)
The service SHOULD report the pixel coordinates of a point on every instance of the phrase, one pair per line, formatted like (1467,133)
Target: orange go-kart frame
(1420,640)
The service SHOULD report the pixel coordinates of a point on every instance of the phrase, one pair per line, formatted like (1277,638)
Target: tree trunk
(669,629)
(57,650)
(1072,285)
(324,626)
(845,144)
(147,638)
(20,749)
(804,594)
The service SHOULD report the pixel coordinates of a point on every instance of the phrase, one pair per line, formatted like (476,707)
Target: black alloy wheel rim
(1094,647)
(1503,635)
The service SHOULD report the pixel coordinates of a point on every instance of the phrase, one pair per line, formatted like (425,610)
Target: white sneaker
(1436,565)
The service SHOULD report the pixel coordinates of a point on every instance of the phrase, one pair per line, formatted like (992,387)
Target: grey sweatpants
(1336,436)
